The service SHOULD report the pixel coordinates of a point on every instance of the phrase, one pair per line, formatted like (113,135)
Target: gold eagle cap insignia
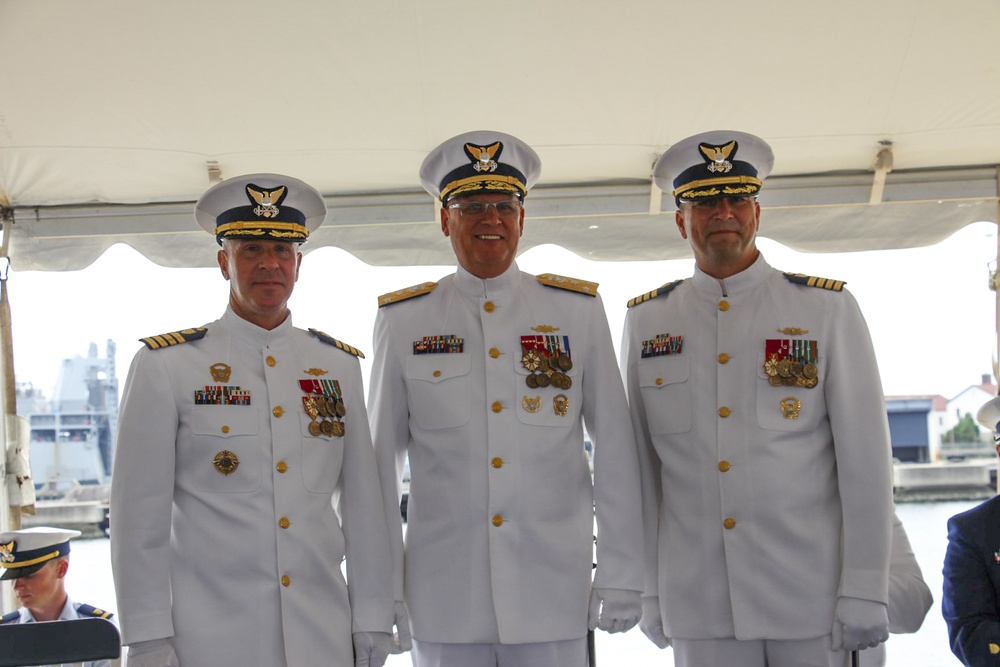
(267,200)
(7,552)
(483,156)
(718,156)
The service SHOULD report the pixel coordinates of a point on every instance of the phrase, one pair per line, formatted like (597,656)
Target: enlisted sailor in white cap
(758,407)
(484,379)
(35,561)
(970,599)
(233,438)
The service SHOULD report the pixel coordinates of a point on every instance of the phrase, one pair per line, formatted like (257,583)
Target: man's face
(484,241)
(722,233)
(262,275)
(43,589)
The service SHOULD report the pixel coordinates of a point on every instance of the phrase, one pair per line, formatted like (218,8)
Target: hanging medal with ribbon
(335,406)
(547,360)
(791,363)
(324,404)
(559,360)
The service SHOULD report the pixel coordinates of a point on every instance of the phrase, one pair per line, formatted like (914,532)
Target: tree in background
(965,431)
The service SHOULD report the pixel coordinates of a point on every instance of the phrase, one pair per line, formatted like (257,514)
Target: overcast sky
(930,310)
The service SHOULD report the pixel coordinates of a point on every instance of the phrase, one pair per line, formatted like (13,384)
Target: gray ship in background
(72,442)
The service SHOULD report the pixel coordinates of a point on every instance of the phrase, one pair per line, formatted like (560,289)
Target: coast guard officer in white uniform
(484,379)
(35,560)
(757,403)
(233,439)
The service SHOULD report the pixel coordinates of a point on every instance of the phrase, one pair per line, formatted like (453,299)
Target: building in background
(938,447)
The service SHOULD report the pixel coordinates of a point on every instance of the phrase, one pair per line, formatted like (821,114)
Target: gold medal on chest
(226,462)
(790,407)
(561,404)
(220,372)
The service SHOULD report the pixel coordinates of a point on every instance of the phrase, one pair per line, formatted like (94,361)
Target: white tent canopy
(115,115)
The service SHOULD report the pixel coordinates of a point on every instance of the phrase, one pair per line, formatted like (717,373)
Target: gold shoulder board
(174,338)
(87,610)
(571,284)
(662,290)
(406,293)
(813,281)
(330,340)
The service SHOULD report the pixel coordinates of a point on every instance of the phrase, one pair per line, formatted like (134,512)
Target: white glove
(651,623)
(614,610)
(154,653)
(371,648)
(401,640)
(859,624)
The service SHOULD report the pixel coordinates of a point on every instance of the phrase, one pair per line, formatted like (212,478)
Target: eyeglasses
(474,210)
(733,202)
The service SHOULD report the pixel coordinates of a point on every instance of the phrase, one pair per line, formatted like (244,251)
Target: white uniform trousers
(758,653)
(568,653)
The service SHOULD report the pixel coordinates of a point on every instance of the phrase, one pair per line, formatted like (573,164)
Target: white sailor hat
(24,552)
(712,165)
(261,206)
(481,161)
(989,416)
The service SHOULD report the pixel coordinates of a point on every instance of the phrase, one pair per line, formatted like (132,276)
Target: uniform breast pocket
(322,456)
(222,454)
(788,407)
(555,403)
(665,384)
(438,390)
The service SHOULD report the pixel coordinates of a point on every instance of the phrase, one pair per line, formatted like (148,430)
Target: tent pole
(8,396)
(993,286)
(10,518)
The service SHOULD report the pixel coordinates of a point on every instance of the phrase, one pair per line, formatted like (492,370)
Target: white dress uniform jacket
(499,542)
(245,568)
(71,611)
(745,504)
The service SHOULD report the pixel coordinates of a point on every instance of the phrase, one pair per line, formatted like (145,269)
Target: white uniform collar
(254,334)
(471,285)
(741,283)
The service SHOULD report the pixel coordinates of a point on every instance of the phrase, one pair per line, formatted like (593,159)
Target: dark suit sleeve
(969,601)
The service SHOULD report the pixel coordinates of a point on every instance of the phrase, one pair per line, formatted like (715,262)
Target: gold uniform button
(497,406)
(724,412)
(497,520)
(659,381)
(497,462)
(494,352)
(994,648)
(270,361)
(724,466)
(284,522)
(489,306)
(436,374)
(723,305)
(286,581)
(723,358)
(729,524)
(281,467)
(225,429)
(278,411)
